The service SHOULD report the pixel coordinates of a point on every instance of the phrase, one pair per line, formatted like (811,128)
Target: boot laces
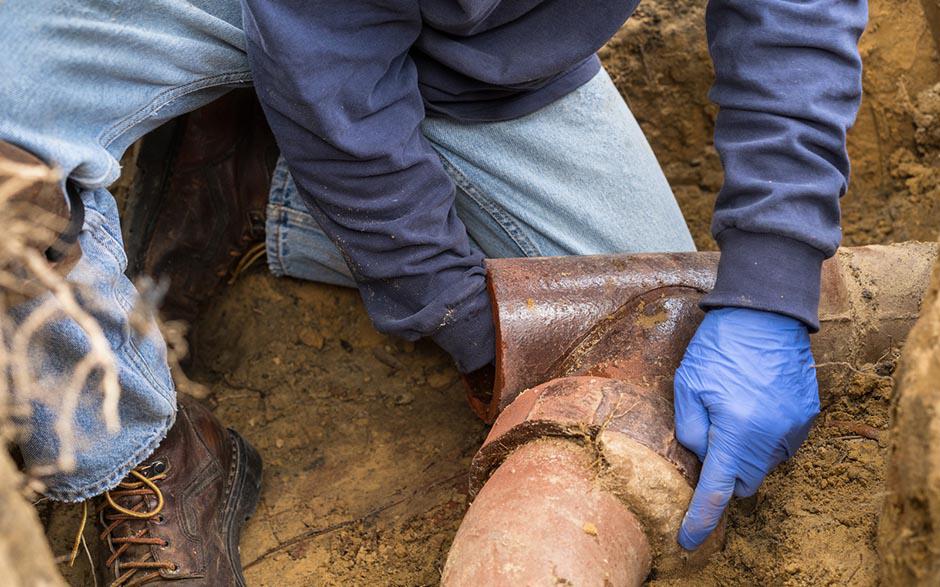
(114,516)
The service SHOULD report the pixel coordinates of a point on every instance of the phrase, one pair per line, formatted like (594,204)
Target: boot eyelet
(159,519)
(166,544)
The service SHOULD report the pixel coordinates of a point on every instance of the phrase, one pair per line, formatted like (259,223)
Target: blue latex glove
(745,398)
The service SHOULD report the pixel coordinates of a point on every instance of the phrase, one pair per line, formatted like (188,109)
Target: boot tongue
(133,528)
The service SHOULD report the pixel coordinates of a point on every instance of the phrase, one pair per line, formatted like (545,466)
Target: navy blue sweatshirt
(346,84)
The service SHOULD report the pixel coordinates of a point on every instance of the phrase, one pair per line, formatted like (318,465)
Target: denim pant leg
(82,80)
(148,402)
(574,178)
(296,246)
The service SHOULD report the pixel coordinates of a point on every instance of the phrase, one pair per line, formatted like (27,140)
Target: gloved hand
(745,398)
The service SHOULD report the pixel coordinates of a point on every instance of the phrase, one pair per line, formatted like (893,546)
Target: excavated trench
(368,440)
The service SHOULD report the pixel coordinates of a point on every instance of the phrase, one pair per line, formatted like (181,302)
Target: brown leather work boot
(199,198)
(178,516)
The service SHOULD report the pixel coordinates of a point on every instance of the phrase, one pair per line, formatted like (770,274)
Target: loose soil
(367,440)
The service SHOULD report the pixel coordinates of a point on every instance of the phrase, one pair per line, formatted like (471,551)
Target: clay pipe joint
(580,480)
(608,332)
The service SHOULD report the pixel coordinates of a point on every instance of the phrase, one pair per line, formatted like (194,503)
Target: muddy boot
(198,202)
(178,516)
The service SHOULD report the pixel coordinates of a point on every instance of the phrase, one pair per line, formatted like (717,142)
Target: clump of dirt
(912,211)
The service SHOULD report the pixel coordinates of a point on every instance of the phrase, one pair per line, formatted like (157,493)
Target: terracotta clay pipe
(581,479)
(559,316)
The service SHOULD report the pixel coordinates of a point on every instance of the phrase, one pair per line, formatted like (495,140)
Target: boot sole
(243,497)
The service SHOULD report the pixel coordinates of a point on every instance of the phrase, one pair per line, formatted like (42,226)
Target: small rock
(440,379)
(311,338)
(403,399)
(279,443)
(297,551)
(589,528)
(387,358)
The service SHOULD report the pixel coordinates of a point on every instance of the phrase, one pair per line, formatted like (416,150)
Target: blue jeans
(84,79)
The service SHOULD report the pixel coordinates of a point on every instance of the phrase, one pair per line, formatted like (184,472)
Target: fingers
(751,473)
(747,487)
(692,420)
(798,434)
(715,486)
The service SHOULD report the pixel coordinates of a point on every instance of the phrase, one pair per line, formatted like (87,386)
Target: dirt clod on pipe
(586,351)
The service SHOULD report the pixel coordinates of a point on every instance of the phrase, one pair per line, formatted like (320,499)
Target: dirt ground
(367,440)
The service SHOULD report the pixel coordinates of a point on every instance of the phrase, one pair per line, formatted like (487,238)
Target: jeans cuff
(66,493)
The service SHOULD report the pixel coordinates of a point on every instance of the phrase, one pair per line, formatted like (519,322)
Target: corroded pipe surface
(629,316)
(575,532)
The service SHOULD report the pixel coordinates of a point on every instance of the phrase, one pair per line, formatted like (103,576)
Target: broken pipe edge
(636,473)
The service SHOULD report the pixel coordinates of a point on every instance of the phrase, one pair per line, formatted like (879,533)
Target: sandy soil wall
(660,62)
(908,538)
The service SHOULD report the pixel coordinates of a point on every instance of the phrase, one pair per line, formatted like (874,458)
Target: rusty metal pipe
(587,347)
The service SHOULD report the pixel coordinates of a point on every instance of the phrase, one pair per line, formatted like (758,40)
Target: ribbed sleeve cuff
(767,272)
(471,339)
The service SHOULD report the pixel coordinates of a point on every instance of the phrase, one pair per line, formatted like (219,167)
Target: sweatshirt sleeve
(341,95)
(788,86)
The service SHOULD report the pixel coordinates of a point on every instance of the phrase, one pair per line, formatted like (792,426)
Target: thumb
(715,486)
